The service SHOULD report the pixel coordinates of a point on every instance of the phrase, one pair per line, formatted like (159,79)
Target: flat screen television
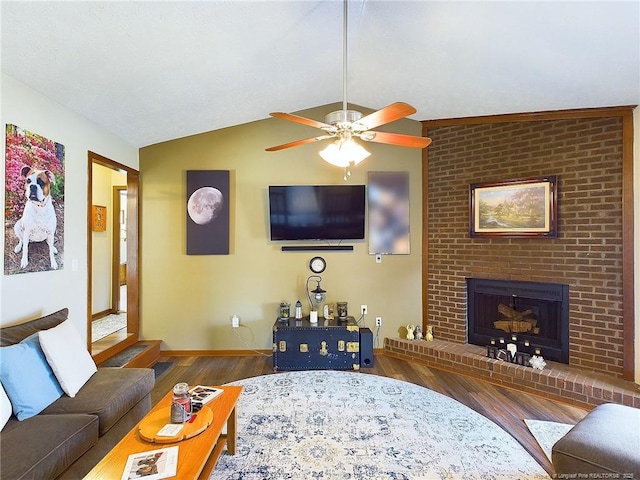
(317,212)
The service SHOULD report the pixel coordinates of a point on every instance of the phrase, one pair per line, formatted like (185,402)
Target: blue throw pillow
(27,378)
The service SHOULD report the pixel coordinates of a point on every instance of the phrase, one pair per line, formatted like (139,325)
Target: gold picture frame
(524,207)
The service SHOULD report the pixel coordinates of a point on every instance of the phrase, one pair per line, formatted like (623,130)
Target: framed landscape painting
(514,208)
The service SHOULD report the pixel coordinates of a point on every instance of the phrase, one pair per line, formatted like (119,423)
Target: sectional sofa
(67,437)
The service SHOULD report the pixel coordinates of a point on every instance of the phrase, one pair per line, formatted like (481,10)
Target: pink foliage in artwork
(26,148)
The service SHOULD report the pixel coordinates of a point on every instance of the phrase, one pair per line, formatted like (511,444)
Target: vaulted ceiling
(155,71)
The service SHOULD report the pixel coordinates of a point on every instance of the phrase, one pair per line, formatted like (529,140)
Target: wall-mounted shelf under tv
(313,248)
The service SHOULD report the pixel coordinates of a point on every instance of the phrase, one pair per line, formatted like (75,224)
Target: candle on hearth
(526,343)
(493,341)
(514,338)
(537,351)
(501,340)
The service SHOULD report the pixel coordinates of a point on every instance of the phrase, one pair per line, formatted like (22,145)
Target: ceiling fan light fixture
(344,153)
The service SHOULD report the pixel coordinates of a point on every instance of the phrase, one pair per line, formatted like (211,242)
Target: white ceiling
(154,71)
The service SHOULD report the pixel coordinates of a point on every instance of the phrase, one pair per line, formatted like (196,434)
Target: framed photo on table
(524,207)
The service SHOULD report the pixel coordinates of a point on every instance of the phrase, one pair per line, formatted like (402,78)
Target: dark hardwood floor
(507,408)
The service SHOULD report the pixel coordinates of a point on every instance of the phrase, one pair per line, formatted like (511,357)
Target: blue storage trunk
(328,344)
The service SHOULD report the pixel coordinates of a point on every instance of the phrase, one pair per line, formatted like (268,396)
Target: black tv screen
(317,212)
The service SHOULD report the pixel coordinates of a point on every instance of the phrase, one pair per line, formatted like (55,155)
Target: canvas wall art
(207,212)
(389,221)
(514,208)
(34,202)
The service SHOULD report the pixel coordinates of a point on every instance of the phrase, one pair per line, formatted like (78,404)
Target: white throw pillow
(68,357)
(5,407)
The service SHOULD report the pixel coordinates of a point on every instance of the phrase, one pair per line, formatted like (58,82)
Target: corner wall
(30,295)
(188,301)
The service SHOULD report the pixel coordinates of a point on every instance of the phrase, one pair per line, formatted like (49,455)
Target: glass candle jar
(285,310)
(342,309)
(181,403)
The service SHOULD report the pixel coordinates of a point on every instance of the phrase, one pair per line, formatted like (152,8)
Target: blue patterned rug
(326,425)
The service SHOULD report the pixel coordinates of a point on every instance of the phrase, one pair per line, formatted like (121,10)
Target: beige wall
(187,301)
(104,180)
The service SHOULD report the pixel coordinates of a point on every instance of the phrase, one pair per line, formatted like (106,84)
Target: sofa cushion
(109,394)
(45,445)
(606,440)
(27,378)
(5,408)
(68,357)
(16,333)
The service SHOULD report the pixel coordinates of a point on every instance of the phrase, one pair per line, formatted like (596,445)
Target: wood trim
(133,210)
(133,253)
(102,314)
(215,353)
(228,353)
(101,357)
(115,242)
(532,116)
(425,232)
(628,287)
(89,249)
(112,164)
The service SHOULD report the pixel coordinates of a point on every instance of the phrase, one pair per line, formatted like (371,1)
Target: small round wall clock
(317,264)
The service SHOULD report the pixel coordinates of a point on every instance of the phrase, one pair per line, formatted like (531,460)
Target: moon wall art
(207,212)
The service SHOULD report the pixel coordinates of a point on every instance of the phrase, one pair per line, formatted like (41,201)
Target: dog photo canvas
(34,202)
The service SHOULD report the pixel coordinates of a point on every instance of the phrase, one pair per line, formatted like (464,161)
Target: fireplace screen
(535,312)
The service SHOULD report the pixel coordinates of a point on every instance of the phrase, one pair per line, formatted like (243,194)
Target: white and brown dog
(38,222)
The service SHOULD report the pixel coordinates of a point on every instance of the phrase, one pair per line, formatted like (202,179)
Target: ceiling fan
(345,125)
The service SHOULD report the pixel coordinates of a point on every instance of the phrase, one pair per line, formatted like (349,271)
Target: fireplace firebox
(533,315)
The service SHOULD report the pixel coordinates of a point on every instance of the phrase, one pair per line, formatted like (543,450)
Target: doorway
(112,252)
(119,256)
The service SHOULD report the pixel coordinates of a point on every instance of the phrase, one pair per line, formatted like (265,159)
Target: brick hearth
(557,381)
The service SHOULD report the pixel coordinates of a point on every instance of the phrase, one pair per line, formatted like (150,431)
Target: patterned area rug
(329,425)
(547,433)
(107,325)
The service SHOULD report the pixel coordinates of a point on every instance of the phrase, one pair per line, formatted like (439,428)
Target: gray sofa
(604,444)
(71,435)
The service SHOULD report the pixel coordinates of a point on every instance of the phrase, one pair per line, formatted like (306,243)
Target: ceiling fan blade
(302,120)
(388,114)
(297,143)
(396,139)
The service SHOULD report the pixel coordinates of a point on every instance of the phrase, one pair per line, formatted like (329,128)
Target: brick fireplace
(586,151)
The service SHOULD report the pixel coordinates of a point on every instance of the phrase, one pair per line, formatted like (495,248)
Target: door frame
(133,215)
(115,257)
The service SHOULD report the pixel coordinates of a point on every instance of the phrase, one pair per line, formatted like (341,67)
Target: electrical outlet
(378,258)
(378,321)
(363,309)
(235,321)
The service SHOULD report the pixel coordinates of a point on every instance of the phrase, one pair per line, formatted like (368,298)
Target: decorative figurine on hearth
(537,362)
(429,335)
(410,330)
(418,333)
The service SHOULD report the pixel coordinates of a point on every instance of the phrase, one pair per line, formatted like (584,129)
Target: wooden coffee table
(197,456)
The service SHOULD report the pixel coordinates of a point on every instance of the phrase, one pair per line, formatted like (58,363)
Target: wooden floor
(507,408)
